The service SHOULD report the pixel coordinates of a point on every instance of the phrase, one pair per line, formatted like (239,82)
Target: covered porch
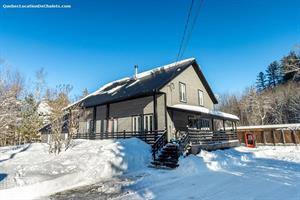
(201,128)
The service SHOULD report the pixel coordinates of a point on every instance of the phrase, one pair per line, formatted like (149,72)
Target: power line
(192,28)
(185,30)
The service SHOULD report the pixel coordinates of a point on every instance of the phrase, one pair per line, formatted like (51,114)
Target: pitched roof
(145,83)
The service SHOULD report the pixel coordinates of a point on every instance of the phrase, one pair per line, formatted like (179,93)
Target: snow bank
(284,153)
(32,172)
(239,173)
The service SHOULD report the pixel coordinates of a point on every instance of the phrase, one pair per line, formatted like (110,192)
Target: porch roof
(199,109)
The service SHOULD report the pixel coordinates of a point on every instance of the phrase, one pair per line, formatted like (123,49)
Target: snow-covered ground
(119,170)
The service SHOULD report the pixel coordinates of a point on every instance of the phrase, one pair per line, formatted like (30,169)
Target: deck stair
(168,156)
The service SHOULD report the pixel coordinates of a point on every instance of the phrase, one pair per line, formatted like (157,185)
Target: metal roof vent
(135,71)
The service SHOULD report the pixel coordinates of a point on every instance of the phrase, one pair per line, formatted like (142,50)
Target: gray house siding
(85,117)
(161,112)
(123,112)
(190,78)
(101,121)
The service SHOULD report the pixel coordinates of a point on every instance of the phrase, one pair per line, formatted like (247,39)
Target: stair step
(171,147)
(170,150)
(168,156)
(167,164)
(167,160)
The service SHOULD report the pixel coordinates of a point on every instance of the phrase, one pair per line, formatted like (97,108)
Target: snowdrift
(29,171)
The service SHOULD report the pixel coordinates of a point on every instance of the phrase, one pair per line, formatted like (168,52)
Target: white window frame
(201,98)
(182,92)
(136,124)
(148,123)
(115,125)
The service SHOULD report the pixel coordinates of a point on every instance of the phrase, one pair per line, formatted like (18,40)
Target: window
(89,126)
(115,125)
(148,123)
(112,125)
(200,98)
(196,122)
(136,123)
(182,92)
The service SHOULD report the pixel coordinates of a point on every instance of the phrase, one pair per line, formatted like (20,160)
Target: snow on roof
(149,72)
(133,83)
(271,126)
(113,86)
(204,110)
(100,90)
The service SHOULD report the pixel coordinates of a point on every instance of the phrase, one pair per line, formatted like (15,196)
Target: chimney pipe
(135,71)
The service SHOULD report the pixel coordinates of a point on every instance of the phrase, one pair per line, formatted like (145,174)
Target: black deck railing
(149,137)
(184,141)
(202,137)
(159,144)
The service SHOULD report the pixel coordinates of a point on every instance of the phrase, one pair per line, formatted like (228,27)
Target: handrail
(184,141)
(147,136)
(158,144)
(204,136)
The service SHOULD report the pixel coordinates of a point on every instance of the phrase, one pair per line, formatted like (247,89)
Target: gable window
(182,92)
(200,98)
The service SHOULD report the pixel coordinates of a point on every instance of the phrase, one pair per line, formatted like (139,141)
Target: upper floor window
(182,92)
(200,98)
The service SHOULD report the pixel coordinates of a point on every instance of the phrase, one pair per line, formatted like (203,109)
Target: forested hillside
(275,97)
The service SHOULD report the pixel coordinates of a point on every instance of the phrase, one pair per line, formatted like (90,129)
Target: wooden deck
(149,137)
(210,140)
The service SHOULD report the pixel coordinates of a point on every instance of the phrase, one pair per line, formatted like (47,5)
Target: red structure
(250,140)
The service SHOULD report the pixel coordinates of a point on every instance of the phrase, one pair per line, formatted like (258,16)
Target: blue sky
(95,42)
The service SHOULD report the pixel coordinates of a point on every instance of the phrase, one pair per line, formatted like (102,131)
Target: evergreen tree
(261,82)
(273,74)
(31,122)
(290,66)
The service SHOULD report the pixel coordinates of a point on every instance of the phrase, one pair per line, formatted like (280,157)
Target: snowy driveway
(119,170)
(241,173)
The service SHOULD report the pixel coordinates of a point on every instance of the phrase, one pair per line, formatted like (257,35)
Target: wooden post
(155,111)
(124,132)
(107,118)
(224,125)
(264,137)
(94,119)
(283,137)
(273,135)
(294,137)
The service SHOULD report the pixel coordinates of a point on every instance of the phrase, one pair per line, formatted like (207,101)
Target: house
(174,100)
